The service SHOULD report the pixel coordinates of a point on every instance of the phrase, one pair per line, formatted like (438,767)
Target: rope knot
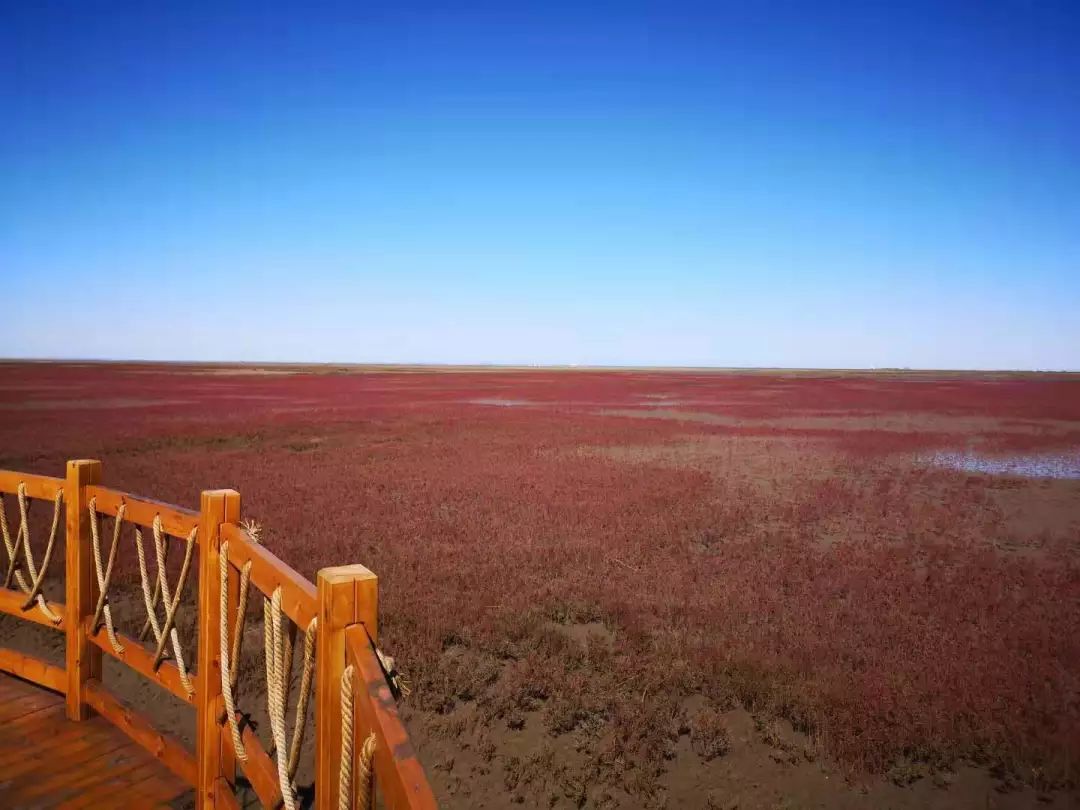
(253,529)
(399,683)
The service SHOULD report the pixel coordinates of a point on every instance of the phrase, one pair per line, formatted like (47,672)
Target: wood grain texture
(48,761)
(33,669)
(13,602)
(162,747)
(82,659)
(217,507)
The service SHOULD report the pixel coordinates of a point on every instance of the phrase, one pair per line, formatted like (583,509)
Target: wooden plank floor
(48,761)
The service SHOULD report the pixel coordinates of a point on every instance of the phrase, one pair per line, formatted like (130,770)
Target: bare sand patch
(1035,510)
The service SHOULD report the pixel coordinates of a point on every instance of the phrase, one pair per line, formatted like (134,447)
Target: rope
(254,531)
(170,601)
(345,773)
(367,753)
(229,660)
(241,616)
(399,684)
(278,650)
(151,607)
(364,776)
(149,600)
(37,580)
(169,628)
(279,660)
(103,576)
(304,696)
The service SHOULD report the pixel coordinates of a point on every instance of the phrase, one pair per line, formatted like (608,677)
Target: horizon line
(359,365)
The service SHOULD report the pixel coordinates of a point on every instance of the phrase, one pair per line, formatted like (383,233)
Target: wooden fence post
(348,594)
(216,507)
(228,755)
(83,659)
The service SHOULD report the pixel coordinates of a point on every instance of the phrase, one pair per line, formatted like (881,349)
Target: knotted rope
(104,574)
(171,601)
(399,684)
(367,753)
(37,579)
(279,655)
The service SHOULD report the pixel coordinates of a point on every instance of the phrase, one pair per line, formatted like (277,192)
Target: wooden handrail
(345,605)
(299,599)
(43,487)
(175,520)
(397,770)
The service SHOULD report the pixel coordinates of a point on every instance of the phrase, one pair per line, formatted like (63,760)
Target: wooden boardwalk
(48,761)
(66,740)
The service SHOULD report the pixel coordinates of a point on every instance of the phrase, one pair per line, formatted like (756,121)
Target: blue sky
(780,184)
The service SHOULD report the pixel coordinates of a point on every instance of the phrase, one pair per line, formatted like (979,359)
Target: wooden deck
(49,761)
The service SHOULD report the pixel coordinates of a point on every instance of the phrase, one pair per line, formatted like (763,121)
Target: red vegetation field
(592,576)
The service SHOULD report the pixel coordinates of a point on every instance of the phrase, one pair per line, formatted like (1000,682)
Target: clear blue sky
(791,184)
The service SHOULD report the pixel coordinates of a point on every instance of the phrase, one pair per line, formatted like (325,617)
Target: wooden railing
(340,611)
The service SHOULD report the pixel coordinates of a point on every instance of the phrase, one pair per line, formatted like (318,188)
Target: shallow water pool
(1025,465)
(498,402)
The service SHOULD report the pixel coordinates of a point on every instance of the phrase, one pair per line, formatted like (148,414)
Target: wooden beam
(140,659)
(83,659)
(224,796)
(12,601)
(175,520)
(260,770)
(347,595)
(33,669)
(165,749)
(299,600)
(400,777)
(43,487)
(218,506)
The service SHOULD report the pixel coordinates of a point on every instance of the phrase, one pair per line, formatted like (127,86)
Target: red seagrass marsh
(635,588)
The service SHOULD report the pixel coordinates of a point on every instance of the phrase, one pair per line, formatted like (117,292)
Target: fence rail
(360,745)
